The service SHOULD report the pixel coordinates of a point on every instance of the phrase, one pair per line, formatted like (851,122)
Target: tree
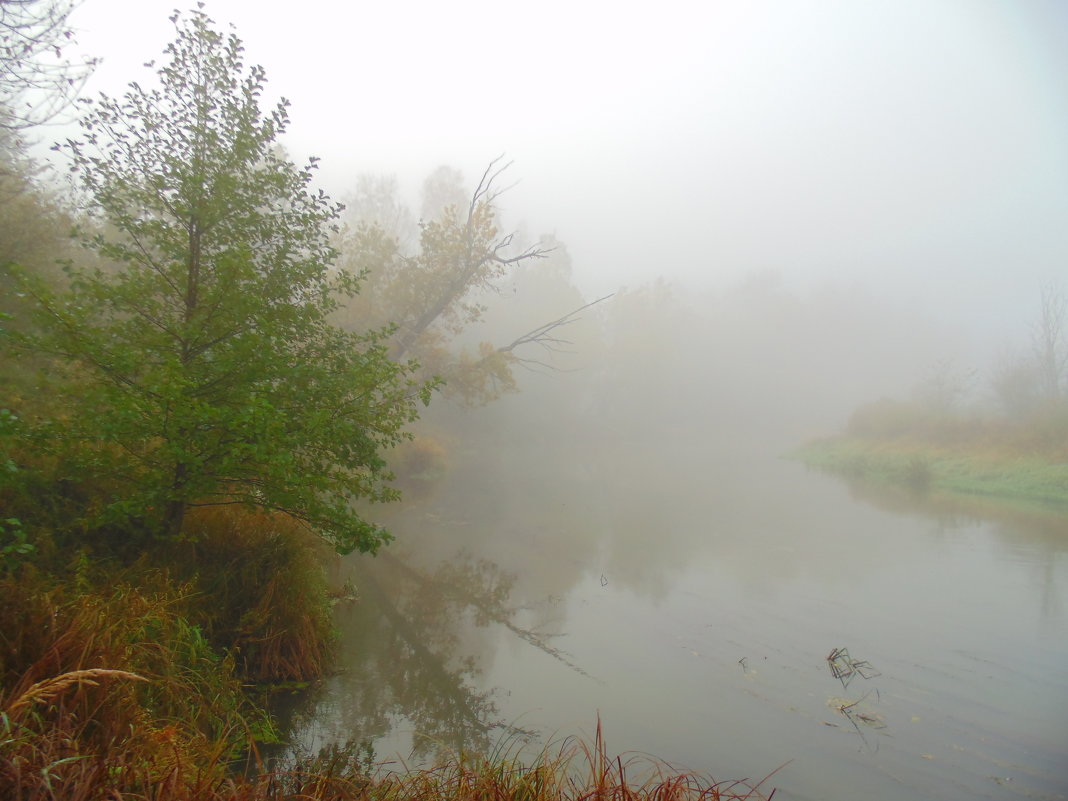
(1050,342)
(444,187)
(376,202)
(1026,384)
(210,373)
(34,230)
(34,237)
(440,291)
(36,81)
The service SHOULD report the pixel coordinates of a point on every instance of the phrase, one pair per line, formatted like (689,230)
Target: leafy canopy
(207,369)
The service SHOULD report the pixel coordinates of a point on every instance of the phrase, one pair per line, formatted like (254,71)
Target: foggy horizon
(678,365)
(918,151)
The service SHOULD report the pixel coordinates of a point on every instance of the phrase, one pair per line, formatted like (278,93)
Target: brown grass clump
(262,591)
(114,690)
(38,762)
(577,771)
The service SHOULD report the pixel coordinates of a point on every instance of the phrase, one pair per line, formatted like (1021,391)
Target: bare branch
(472,263)
(543,336)
(485,192)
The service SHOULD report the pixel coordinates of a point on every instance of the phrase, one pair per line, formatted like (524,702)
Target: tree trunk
(174,516)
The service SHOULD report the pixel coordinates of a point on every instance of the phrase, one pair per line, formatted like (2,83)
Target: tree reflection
(409,661)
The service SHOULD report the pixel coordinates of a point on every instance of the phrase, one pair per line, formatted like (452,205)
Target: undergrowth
(262,591)
(576,770)
(135,672)
(112,689)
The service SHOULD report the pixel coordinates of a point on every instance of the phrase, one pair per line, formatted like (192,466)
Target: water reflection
(412,658)
(545,583)
(1033,534)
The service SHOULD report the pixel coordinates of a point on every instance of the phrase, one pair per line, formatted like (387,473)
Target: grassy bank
(575,770)
(143,676)
(958,467)
(173,720)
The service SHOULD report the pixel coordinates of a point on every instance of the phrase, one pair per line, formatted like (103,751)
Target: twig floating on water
(844,667)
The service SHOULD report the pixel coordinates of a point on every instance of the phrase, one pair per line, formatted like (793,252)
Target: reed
(109,689)
(48,689)
(574,770)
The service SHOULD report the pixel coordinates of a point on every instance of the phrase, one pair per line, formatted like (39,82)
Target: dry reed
(48,689)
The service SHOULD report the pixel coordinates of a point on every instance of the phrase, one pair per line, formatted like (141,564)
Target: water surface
(691,597)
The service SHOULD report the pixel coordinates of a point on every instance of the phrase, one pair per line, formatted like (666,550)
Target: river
(693,597)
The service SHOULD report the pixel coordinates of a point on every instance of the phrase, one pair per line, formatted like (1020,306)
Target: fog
(915,150)
(776,211)
(796,207)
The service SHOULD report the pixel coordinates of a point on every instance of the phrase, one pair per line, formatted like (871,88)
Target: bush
(418,465)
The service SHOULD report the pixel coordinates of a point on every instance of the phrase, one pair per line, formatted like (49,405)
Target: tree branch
(542,335)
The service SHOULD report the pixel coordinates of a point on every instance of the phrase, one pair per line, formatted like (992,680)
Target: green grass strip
(925,466)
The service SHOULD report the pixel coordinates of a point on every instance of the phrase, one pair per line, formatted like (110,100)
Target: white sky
(917,147)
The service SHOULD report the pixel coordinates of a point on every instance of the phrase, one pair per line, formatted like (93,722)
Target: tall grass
(122,674)
(262,591)
(94,709)
(576,771)
(112,690)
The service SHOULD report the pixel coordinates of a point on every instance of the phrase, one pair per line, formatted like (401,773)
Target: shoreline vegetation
(147,676)
(179,720)
(1023,462)
(1030,480)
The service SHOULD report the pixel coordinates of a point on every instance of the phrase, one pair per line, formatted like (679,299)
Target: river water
(691,597)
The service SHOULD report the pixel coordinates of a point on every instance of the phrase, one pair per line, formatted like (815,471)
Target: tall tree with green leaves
(206,368)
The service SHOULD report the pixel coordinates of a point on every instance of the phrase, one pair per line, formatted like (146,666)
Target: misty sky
(916,147)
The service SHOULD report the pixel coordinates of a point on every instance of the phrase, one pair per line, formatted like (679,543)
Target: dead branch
(543,335)
(472,262)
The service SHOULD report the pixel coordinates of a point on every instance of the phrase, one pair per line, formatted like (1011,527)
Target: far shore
(925,466)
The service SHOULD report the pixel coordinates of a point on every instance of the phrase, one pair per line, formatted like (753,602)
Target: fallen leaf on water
(927,756)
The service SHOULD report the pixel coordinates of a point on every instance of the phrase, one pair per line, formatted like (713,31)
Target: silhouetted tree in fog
(1050,341)
(433,295)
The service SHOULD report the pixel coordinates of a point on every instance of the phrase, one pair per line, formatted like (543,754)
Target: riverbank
(172,731)
(147,678)
(921,465)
